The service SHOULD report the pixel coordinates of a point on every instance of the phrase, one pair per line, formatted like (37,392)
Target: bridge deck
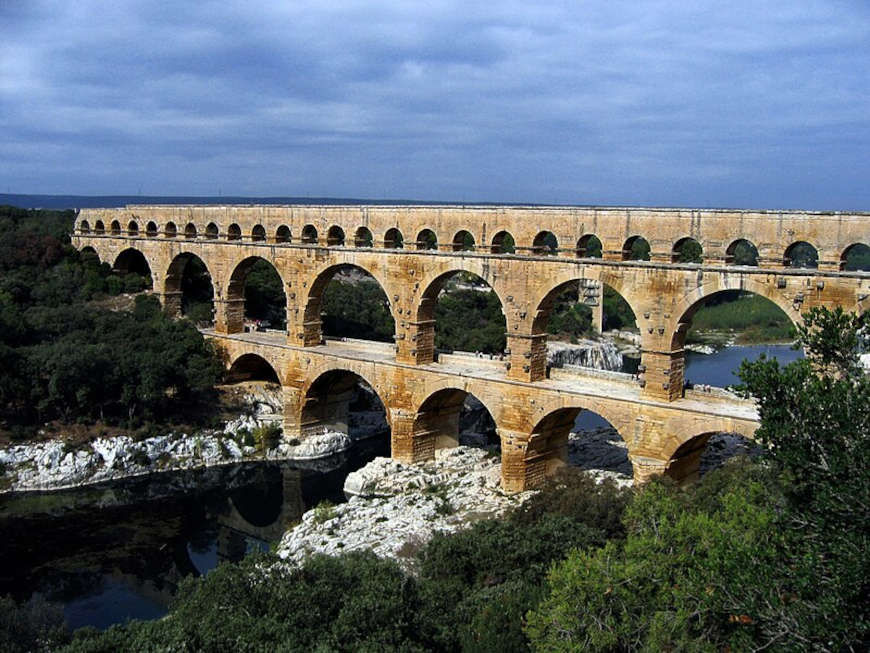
(571,381)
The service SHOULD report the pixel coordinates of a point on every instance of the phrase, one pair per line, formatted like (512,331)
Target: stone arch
(426,239)
(132,228)
(251,367)
(688,305)
(503,243)
(335,236)
(548,446)
(309,234)
(425,309)
(741,252)
(463,241)
(151,229)
(258,233)
(636,248)
(589,246)
(363,237)
(211,231)
(238,299)
(115,228)
(234,232)
(437,417)
(393,239)
(282,234)
(99,227)
(177,283)
(84,227)
(684,455)
(312,319)
(326,398)
(170,230)
(687,250)
(190,230)
(801,254)
(545,244)
(131,260)
(856,257)
(90,251)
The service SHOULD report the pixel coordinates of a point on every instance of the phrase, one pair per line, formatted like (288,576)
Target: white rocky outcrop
(597,354)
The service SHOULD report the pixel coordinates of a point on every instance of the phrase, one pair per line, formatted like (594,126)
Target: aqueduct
(526,254)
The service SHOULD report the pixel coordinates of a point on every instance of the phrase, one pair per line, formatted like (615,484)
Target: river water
(117,551)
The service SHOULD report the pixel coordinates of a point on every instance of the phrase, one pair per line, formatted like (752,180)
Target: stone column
(406,444)
(229,316)
(645,468)
(662,373)
(415,341)
(524,466)
(292,411)
(171,300)
(528,356)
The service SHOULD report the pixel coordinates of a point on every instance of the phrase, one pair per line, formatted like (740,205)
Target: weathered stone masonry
(664,429)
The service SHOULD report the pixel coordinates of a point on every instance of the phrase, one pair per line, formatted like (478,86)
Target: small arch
(99,227)
(426,239)
(234,232)
(741,252)
(363,237)
(132,228)
(251,367)
(189,290)
(636,248)
(170,230)
(450,417)
(84,227)
(589,246)
(463,241)
(335,236)
(309,234)
(116,228)
(151,229)
(705,452)
(687,250)
(333,400)
(190,230)
(211,231)
(801,255)
(856,258)
(545,244)
(258,233)
(503,243)
(282,234)
(393,239)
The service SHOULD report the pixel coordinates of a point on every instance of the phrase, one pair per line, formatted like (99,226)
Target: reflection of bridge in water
(529,257)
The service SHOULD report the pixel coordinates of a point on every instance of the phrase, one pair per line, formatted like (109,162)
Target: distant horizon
(63,201)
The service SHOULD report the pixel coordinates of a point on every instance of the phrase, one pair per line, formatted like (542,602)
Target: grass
(751,318)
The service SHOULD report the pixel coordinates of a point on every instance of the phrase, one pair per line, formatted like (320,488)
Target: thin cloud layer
(620,102)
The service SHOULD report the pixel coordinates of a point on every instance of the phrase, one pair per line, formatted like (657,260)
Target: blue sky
(703,103)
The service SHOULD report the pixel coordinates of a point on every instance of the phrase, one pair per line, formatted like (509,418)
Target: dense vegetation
(757,555)
(66,356)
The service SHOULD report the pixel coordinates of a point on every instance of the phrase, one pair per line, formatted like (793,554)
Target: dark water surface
(117,551)
(720,369)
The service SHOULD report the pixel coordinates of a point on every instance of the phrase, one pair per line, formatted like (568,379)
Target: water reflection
(118,551)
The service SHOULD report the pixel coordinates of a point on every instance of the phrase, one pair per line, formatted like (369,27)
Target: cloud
(659,102)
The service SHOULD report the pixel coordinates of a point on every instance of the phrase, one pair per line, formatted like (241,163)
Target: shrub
(267,436)
(324,511)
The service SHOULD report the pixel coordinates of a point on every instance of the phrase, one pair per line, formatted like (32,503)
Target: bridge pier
(663,373)
(406,443)
(415,343)
(528,356)
(229,315)
(172,300)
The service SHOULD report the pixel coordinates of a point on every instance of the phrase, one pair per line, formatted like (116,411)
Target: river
(117,551)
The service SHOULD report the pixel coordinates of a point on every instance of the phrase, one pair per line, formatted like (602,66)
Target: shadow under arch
(597,445)
(475,296)
(346,319)
(132,261)
(707,451)
(451,416)
(855,258)
(251,367)
(188,289)
(259,287)
(329,399)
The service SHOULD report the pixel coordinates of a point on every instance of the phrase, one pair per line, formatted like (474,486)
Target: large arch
(132,261)
(314,305)
(686,462)
(548,447)
(264,301)
(443,416)
(188,289)
(427,312)
(545,303)
(327,400)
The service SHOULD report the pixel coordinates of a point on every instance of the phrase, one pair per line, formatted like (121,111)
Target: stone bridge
(528,256)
